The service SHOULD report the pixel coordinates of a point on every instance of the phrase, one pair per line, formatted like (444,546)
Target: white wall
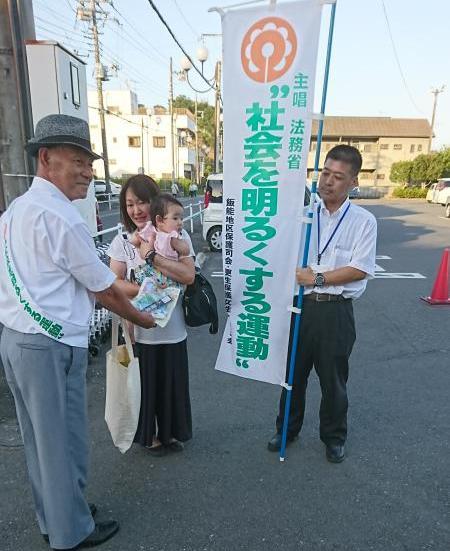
(120,126)
(49,69)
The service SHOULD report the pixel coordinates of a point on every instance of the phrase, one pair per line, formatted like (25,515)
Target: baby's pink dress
(162,240)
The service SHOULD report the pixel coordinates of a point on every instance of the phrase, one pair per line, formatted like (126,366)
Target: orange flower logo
(268,49)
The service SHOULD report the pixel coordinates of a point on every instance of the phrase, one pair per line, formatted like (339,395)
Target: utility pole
(16,119)
(217,78)
(142,171)
(99,78)
(172,141)
(197,160)
(435,92)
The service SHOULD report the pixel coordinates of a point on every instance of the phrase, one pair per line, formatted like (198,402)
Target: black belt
(325,297)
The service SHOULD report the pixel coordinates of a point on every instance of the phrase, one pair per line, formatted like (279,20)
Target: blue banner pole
(287,405)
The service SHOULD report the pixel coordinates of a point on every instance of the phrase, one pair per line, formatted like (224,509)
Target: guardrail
(190,218)
(192,215)
(110,199)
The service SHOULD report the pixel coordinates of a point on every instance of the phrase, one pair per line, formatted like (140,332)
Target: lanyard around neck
(320,252)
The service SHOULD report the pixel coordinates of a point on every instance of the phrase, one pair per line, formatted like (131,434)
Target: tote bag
(123,389)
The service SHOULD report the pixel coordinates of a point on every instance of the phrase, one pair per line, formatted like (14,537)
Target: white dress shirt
(353,245)
(53,257)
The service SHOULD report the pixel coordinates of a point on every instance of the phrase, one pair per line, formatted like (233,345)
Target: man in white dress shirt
(341,260)
(49,276)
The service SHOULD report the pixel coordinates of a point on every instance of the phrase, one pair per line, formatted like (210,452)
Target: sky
(370,74)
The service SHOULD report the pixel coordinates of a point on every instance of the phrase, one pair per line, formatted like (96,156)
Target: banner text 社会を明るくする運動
(268,94)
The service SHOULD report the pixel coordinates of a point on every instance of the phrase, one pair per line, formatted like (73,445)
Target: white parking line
(399,275)
(380,272)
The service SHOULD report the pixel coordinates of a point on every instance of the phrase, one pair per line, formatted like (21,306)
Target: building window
(134,141)
(365,175)
(159,141)
(380,176)
(412,148)
(114,140)
(312,146)
(367,148)
(398,146)
(384,146)
(112,161)
(113,109)
(419,148)
(75,81)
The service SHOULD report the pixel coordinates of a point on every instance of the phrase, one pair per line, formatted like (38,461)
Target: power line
(135,31)
(52,34)
(398,60)
(54,13)
(194,32)
(57,27)
(158,13)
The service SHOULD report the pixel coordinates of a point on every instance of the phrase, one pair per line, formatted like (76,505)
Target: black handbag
(200,304)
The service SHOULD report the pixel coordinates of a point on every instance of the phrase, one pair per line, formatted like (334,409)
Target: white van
(212,215)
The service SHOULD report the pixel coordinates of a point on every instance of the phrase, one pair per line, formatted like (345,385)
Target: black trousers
(327,335)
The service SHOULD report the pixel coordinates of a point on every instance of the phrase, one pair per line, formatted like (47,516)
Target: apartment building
(139,138)
(382,141)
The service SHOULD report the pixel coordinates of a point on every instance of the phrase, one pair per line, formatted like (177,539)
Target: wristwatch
(319,280)
(149,258)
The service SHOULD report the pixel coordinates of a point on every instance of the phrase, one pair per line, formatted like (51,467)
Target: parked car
(443,189)
(212,215)
(432,194)
(354,193)
(100,187)
(115,189)
(447,208)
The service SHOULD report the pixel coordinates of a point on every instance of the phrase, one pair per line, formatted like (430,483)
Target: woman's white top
(122,250)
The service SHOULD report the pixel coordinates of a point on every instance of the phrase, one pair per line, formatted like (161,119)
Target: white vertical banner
(269,67)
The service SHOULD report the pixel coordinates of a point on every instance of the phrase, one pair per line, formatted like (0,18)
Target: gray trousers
(48,381)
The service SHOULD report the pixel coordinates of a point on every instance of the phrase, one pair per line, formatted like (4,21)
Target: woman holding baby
(165,417)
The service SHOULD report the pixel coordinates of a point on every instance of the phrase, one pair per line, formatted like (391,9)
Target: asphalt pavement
(227,492)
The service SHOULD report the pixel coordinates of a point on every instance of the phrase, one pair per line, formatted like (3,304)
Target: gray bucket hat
(61,130)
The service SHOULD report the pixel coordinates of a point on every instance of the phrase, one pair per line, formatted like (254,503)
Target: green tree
(443,162)
(428,168)
(205,118)
(401,172)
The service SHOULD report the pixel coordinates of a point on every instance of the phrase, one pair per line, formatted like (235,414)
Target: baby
(163,231)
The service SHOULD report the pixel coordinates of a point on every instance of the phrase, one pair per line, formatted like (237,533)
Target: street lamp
(203,154)
(214,84)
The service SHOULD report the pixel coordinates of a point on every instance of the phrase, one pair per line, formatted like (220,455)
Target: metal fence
(191,207)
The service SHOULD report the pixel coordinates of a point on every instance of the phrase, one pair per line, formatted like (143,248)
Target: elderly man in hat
(49,276)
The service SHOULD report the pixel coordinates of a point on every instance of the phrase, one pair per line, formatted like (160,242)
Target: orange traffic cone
(439,294)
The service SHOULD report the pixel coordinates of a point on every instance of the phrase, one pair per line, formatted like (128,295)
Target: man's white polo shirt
(49,267)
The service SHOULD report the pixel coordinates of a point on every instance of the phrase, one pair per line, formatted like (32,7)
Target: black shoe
(103,531)
(175,446)
(92,508)
(335,454)
(157,451)
(274,444)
